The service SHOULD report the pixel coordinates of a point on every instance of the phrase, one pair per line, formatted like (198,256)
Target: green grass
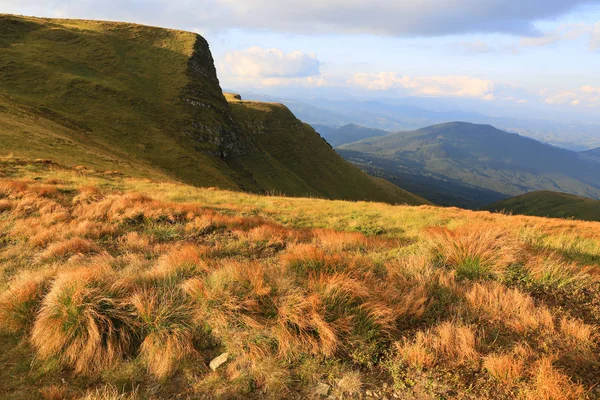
(550,204)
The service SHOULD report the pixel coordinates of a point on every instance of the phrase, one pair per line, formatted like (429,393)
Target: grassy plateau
(121,288)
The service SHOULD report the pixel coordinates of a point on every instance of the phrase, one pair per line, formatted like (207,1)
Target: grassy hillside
(550,204)
(292,158)
(337,136)
(146,102)
(472,165)
(122,288)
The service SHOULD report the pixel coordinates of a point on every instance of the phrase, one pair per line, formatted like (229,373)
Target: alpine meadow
(163,237)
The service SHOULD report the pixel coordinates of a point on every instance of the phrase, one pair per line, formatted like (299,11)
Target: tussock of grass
(84,321)
(475,251)
(20,304)
(165,318)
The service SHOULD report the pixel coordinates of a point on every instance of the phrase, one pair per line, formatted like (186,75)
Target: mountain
(414,113)
(473,165)
(550,204)
(147,102)
(337,136)
(593,154)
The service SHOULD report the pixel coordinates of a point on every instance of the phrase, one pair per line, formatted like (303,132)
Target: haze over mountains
(472,165)
(399,115)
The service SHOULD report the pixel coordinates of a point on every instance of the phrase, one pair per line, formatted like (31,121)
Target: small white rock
(322,389)
(218,361)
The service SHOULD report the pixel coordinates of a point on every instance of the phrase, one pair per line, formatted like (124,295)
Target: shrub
(84,321)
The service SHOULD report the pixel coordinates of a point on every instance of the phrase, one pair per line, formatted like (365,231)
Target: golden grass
(96,279)
(165,316)
(84,321)
(475,251)
(509,307)
(507,368)
(20,303)
(551,384)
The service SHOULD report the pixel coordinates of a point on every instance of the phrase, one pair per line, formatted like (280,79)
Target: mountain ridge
(474,157)
(147,101)
(551,205)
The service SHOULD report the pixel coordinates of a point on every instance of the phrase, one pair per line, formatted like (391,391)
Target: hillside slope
(292,158)
(593,154)
(337,136)
(472,165)
(147,102)
(550,204)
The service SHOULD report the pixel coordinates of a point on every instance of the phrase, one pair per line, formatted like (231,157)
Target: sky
(537,58)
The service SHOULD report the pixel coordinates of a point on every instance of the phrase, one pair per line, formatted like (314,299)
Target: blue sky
(527,57)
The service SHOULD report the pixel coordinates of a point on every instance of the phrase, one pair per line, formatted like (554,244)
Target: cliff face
(202,96)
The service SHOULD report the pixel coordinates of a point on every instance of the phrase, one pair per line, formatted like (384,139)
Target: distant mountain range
(593,154)
(470,165)
(550,204)
(396,115)
(347,133)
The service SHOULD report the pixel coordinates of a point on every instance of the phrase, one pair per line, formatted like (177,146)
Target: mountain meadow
(160,239)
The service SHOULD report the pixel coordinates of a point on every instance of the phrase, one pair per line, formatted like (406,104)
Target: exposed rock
(322,389)
(218,361)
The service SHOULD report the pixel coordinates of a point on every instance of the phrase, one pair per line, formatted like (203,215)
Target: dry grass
(84,321)
(69,247)
(165,316)
(98,280)
(551,384)
(109,392)
(475,251)
(20,303)
(509,307)
(506,368)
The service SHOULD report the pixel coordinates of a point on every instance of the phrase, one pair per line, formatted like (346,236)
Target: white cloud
(426,86)
(385,17)
(586,96)
(560,98)
(256,62)
(590,89)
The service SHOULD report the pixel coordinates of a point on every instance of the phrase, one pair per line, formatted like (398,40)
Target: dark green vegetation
(146,102)
(550,204)
(472,165)
(337,136)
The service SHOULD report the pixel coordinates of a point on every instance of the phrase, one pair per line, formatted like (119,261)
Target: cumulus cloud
(586,96)
(256,62)
(428,86)
(385,17)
